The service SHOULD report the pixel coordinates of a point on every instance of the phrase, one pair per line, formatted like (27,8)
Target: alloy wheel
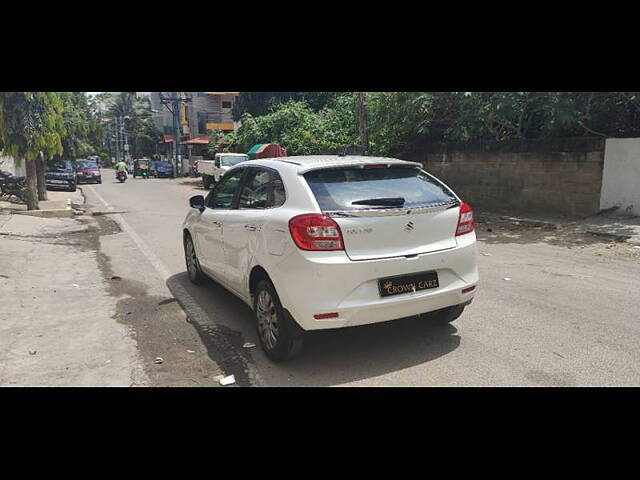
(267,319)
(191,259)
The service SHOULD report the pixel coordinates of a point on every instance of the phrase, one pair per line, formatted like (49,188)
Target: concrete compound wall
(621,176)
(553,176)
(8,164)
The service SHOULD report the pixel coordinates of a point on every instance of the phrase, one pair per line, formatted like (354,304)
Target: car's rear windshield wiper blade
(385,202)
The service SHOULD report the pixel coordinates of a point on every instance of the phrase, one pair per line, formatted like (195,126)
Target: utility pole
(117,140)
(172,103)
(176,130)
(362,122)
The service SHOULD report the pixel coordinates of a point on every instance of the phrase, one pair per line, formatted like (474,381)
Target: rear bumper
(60,186)
(96,179)
(325,282)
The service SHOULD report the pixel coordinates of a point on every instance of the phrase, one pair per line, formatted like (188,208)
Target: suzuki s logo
(409,227)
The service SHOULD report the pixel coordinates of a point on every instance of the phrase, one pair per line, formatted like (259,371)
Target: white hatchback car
(319,242)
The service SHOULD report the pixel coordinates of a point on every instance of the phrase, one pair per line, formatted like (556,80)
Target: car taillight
(315,232)
(465,219)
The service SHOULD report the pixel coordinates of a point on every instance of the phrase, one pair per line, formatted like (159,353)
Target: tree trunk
(32,185)
(40,173)
(362,123)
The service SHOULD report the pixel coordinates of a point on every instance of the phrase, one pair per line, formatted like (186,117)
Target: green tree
(31,129)
(136,113)
(300,129)
(261,103)
(78,123)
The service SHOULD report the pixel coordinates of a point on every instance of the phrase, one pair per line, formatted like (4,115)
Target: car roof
(312,162)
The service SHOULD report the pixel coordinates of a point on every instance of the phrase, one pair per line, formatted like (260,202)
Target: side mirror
(197,201)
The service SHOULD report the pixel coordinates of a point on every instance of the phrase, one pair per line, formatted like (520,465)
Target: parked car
(325,242)
(213,170)
(88,171)
(61,174)
(163,169)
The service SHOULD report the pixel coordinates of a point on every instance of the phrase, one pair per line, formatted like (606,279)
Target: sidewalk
(56,321)
(56,205)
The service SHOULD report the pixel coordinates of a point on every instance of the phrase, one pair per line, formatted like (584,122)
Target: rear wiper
(340,214)
(386,202)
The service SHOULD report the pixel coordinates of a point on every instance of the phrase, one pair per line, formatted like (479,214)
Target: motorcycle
(12,186)
(122,176)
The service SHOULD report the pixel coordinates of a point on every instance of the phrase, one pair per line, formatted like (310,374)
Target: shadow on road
(330,357)
(196,183)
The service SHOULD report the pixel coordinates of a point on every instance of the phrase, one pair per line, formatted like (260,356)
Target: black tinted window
(222,194)
(262,189)
(339,188)
(87,165)
(60,166)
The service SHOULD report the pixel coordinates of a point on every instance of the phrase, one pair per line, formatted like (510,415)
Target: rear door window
(262,189)
(340,189)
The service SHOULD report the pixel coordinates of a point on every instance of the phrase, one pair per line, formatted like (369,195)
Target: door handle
(250,228)
(216,223)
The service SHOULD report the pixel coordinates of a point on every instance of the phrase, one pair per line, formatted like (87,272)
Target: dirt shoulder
(494,228)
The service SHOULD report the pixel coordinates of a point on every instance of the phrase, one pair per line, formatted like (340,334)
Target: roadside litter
(231,379)
(32,352)
(506,278)
(116,277)
(486,254)
(248,345)
(191,351)
(76,285)
(158,360)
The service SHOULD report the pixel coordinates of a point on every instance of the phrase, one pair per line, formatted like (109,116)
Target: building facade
(203,112)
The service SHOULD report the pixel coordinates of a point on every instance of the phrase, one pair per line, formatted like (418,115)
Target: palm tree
(130,108)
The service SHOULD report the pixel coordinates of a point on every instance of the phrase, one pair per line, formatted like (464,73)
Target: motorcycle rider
(121,166)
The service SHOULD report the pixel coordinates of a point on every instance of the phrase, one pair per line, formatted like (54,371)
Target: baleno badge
(409,227)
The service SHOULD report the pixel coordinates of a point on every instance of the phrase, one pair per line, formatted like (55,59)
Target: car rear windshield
(336,189)
(231,160)
(60,166)
(88,165)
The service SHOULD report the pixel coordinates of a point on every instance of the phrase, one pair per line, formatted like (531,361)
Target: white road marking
(144,248)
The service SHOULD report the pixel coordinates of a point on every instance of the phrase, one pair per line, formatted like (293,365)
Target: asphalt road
(547,312)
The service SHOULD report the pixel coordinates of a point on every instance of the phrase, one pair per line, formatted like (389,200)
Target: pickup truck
(213,170)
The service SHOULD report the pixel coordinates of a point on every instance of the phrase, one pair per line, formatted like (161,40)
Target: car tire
(194,271)
(446,315)
(73,188)
(279,336)
(206,181)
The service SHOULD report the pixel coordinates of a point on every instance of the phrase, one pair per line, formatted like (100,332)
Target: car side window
(277,191)
(221,197)
(262,189)
(255,193)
